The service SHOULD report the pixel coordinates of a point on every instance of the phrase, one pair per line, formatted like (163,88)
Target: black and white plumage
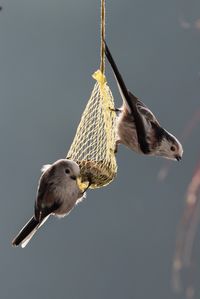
(137,126)
(57,194)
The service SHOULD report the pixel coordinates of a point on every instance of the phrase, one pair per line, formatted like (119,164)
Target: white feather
(45,167)
(81,198)
(29,237)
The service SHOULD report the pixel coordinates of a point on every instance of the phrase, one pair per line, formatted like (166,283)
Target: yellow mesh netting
(94,143)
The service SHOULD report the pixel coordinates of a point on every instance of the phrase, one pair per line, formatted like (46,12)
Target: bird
(57,194)
(137,127)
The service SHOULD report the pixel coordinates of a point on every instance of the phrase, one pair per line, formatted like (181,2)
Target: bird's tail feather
(27,232)
(120,82)
(130,101)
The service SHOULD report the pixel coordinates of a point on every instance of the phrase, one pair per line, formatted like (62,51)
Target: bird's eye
(67,170)
(172,148)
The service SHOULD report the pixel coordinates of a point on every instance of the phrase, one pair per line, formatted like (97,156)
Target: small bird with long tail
(137,126)
(57,194)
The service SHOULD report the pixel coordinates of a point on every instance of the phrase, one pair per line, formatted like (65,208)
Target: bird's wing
(129,99)
(46,195)
(144,110)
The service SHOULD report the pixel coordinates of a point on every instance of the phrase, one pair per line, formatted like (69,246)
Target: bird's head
(67,169)
(170,147)
(62,170)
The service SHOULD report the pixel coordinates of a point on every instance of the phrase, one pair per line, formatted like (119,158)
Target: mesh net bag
(94,143)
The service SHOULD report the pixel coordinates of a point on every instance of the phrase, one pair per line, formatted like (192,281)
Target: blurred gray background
(120,241)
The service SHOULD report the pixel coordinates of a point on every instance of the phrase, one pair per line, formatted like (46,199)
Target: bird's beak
(82,185)
(178,158)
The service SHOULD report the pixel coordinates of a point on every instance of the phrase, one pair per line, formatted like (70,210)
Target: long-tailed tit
(138,128)
(57,194)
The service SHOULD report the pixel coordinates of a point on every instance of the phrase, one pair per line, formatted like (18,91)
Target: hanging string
(102,65)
